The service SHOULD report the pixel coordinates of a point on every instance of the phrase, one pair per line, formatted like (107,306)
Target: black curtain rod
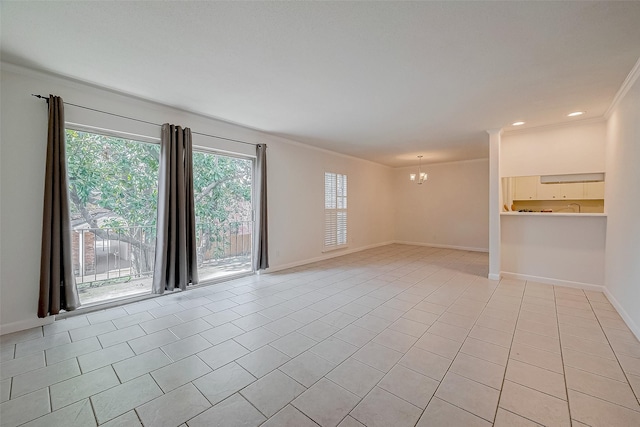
(46,98)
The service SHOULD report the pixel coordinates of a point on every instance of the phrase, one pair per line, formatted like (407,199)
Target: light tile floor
(393,336)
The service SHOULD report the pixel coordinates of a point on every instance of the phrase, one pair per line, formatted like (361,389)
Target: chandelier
(421,176)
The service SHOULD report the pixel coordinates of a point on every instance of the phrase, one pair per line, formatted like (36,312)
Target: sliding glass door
(224,223)
(113,186)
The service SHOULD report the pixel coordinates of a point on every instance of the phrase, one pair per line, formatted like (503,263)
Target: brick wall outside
(89,251)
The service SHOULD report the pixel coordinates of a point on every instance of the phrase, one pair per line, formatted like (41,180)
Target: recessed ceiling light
(517,123)
(575,113)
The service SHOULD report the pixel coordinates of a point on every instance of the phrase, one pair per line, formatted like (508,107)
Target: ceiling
(384,81)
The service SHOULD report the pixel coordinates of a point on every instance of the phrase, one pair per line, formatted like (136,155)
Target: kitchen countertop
(555,214)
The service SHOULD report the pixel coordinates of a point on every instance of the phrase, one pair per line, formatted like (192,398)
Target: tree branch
(209,188)
(89,219)
(93,223)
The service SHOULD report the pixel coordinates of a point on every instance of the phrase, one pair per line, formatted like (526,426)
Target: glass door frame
(110,133)
(251,271)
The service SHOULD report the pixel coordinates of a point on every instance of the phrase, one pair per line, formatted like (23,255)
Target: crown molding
(293,142)
(626,85)
(262,135)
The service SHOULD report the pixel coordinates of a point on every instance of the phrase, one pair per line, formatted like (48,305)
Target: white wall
(622,188)
(296,202)
(495,203)
(450,209)
(295,180)
(572,148)
(566,250)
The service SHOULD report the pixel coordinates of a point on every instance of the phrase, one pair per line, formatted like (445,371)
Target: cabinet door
(560,191)
(547,191)
(571,191)
(525,187)
(594,190)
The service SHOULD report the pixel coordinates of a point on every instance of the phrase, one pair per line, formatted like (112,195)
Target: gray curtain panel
(176,263)
(57,285)
(261,241)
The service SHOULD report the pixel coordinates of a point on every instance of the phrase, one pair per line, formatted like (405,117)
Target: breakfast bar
(558,248)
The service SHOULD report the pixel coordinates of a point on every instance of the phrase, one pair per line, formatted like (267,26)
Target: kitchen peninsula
(557,248)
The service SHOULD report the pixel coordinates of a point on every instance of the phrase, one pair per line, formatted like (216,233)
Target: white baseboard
(493,276)
(339,252)
(437,245)
(25,324)
(555,282)
(327,255)
(623,313)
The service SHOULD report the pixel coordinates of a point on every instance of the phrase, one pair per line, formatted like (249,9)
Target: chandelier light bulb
(420,177)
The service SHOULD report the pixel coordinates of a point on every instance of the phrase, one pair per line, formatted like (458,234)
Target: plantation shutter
(335,210)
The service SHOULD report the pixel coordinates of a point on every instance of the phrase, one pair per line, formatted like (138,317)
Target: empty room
(380,214)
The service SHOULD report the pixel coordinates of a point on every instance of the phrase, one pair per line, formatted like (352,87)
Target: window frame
(145,136)
(252,159)
(132,137)
(335,234)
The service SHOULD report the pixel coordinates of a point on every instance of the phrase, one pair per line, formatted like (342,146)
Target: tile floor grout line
(258,379)
(391,288)
(542,392)
(595,373)
(371,340)
(528,419)
(267,420)
(10,387)
(93,411)
(606,401)
(50,399)
(456,355)
(506,366)
(49,385)
(562,360)
(164,394)
(539,367)
(354,406)
(615,354)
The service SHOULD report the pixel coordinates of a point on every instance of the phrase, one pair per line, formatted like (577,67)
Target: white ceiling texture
(384,81)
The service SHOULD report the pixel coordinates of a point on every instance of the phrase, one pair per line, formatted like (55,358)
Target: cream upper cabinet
(525,188)
(573,191)
(594,190)
(560,191)
(547,191)
(530,188)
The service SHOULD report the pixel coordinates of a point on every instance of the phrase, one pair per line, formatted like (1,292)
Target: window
(222,187)
(335,210)
(113,188)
